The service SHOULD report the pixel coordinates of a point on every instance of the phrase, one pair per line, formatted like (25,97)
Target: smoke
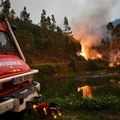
(88,26)
(94,14)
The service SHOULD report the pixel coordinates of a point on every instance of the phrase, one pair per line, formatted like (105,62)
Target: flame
(114,64)
(86,91)
(87,51)
(114,58)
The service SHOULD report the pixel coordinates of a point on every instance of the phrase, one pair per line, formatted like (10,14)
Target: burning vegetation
(98,46)
(111,45)
(105,51)
(98,41)
(50,43)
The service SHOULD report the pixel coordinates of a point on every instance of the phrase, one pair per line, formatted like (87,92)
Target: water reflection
(110,86)
(86,91)
(115,83)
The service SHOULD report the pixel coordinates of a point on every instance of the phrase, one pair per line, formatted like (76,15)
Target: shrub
(99,103)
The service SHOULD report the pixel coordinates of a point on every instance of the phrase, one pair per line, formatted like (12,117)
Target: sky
(79,12)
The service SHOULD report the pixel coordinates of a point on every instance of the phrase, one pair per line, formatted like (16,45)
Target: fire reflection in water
(86,91)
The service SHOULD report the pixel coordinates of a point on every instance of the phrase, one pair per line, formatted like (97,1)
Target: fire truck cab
(16,84)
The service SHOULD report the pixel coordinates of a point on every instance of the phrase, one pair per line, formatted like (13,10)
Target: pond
(91,84)
(104,86)
(102,90)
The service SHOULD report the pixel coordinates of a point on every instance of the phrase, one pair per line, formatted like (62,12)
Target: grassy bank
(70,68)
(59,84)
(104,105)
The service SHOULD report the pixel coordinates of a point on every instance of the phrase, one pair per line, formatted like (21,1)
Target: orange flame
(114,64)
(86,91)
(90,53)
(87,51)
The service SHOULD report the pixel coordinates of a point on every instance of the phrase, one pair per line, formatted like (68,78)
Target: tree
(48,23)
(24,15)
(116,31)
(110,26)
(6,8)
(67,28)
(12,14)
(53,27)
(43,21)
(59,30)
(47,39)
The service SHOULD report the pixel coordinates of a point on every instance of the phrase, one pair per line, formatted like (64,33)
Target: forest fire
(115,58)
(88,50)
(89,53)
(95,44)
(114,64)
(98,39)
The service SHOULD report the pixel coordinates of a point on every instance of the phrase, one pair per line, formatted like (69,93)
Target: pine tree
(53,27)
(59,30)
(43,21)
(48,23)
(116,31)
(110,26)
(6,8)
(67,28)
(12,14)
(24,15)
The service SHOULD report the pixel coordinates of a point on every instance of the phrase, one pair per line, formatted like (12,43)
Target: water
(67,92)
(106,87)
(99,85)
(91,84)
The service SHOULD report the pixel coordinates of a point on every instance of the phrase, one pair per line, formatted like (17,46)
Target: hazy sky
(77,11)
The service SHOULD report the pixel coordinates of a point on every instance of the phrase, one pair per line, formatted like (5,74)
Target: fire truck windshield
(6,46)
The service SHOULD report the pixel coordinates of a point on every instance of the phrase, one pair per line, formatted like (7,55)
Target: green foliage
(67,28)
(24,15)
(53,26)
(6,5)
(45,68)
(43,21)
(46,38)
(97,64)
(51,71)
(63,92)
(12,14)
(91,65)
(93,104)
(46,71)
(105,103)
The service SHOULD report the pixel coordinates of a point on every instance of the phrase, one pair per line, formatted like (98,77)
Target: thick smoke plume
(87,27)
(94,14)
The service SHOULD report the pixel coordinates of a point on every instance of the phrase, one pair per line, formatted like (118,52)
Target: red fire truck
(16,84)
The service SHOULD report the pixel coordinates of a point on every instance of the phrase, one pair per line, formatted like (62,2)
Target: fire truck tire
(12,116)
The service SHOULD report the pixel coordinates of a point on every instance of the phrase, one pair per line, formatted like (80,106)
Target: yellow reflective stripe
(34,107)
(45,111)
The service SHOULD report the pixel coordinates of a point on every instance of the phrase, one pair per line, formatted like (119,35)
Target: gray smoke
(95,13)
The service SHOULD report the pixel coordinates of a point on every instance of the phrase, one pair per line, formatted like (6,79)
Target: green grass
(105,104)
